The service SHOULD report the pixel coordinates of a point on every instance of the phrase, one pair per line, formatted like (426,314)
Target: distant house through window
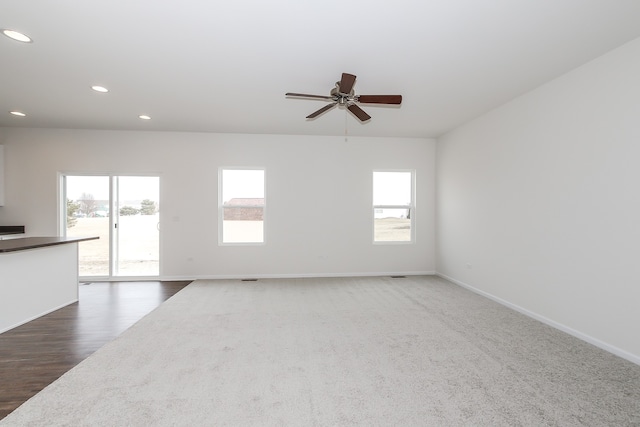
(241,205)
(393,206)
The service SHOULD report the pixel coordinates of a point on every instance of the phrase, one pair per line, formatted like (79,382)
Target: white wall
(538,202)
(1,175)
(307,179)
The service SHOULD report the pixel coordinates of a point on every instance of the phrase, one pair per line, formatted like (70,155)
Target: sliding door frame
(61,217)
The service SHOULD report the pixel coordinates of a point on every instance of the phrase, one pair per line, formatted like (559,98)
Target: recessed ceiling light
(17,36)
(18,113)
(100,89)
(144,117)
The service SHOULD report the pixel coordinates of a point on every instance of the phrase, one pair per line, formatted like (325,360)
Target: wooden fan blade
(304,95)
(322,110)
(347,82)
(380,99)
(359,112)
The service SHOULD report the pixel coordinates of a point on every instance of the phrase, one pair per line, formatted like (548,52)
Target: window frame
(411,208)
(221,205)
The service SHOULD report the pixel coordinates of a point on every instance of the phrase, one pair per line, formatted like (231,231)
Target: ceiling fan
(344,95)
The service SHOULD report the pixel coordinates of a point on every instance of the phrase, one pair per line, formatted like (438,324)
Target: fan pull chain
(346,124)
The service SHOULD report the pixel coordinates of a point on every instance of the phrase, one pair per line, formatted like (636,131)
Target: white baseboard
(584,337)
(295,275)
(37,316)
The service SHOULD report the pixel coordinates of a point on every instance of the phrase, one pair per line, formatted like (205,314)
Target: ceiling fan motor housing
(341,98)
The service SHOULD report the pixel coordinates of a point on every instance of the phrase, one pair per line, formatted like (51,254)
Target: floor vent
(248,280)
(398,277)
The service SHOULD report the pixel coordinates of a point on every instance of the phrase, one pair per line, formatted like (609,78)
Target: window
(393,206)
(241,206)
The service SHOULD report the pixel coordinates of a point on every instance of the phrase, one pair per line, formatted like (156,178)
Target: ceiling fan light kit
(343,94)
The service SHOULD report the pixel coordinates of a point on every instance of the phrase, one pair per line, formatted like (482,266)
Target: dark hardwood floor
(37,353)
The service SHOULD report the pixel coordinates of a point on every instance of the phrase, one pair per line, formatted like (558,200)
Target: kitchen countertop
(11,229)
(25,243)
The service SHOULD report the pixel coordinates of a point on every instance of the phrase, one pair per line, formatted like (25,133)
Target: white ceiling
(224,66)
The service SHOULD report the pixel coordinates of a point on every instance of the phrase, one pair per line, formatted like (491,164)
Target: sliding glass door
(137,226)
(87,214)
(124,212)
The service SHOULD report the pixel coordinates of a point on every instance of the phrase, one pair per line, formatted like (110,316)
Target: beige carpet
(417,351)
